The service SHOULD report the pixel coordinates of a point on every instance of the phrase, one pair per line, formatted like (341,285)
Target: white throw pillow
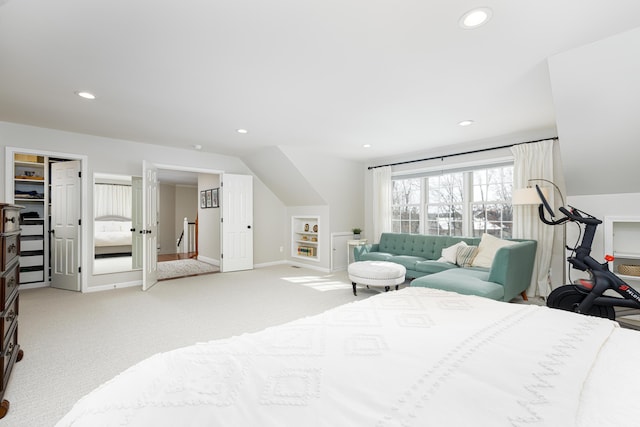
(449,254)
(487,249)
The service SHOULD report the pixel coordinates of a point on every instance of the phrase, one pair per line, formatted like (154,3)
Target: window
(491,204)
(406,203)
(467,203)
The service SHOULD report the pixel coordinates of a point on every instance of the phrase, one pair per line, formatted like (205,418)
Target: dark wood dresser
(10,352)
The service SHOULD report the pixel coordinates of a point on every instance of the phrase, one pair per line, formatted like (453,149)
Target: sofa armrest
(512,267)
(358,251)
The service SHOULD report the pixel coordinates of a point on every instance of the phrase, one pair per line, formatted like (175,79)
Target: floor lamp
(529,196)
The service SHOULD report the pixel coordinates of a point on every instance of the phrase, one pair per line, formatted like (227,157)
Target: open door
(65,225)
(150,221)
(137,222)
(236,223)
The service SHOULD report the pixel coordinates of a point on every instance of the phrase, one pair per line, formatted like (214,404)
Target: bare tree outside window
(443,205)
(445,197)
(491,206)
(406,205)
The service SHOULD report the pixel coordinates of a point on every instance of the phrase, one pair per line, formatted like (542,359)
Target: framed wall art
(203,199)
(215,203)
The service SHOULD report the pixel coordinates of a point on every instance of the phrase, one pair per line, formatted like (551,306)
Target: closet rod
(461,154)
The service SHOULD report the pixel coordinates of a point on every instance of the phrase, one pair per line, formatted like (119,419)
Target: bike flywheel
(569,297)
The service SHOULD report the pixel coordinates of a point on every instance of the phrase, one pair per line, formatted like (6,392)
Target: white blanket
(416,357)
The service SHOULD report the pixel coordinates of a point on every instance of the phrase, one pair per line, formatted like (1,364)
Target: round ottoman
(376,273)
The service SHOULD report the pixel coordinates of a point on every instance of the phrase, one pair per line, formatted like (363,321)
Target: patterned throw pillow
(450,254)
(465,255)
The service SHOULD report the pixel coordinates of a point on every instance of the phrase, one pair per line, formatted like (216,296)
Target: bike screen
(544,201)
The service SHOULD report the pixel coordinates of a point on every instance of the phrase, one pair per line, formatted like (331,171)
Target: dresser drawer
(10,246)
(9,281)
(8,323)
(10,220)
(8,358)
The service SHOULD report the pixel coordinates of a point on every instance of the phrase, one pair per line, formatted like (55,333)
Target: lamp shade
(528,196)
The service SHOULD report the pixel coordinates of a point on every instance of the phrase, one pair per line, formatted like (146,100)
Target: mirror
(117,221)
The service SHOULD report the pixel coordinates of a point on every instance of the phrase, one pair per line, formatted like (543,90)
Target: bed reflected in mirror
(117,208)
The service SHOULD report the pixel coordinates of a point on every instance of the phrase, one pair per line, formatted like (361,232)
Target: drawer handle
(10,219)
(10,350)
(11,315)
(12,282)
(12,248)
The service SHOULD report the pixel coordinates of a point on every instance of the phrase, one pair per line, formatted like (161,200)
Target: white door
(65,225)
(137,223)
(236,222)
(150,222)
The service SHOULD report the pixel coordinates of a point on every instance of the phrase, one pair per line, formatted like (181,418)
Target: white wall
(167,218)
(600,206)
(122,157)
(595,94)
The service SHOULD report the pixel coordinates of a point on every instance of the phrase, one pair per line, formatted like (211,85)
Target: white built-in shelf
(304,229)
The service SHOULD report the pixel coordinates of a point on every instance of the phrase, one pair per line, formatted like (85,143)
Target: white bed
(112,235)
(415,357)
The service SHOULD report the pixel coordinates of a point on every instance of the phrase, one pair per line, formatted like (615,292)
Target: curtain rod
(460,154)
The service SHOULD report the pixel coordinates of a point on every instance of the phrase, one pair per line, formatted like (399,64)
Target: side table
(351,244)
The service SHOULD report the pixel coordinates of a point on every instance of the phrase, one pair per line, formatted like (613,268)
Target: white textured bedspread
(415,357)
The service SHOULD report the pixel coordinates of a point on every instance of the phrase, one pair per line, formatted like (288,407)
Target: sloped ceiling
(596,92)
(283,178)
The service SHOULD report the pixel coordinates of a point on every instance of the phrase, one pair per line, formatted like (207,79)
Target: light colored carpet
(74,342)
(183,268)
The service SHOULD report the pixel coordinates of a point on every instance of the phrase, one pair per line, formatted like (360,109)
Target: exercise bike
(586,296)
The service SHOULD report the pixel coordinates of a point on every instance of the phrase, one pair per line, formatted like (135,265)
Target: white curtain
(381,201)
(112,200)
(535,162)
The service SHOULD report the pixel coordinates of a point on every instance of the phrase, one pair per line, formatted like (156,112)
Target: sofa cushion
(464,281)
(430,267)
(487,249)
(375,256)
(408,261)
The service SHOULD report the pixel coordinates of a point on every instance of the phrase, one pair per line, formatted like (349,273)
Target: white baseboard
(269,264)
(111,286)
(35,285)
(311,267)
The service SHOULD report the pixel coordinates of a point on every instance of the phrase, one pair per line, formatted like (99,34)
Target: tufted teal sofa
(508,277)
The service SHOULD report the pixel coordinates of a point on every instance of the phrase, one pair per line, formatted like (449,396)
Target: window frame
(468,202)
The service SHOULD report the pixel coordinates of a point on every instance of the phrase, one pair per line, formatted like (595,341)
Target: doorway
(175,187)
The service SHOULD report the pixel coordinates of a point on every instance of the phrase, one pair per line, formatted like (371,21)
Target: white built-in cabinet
(622,240)
(305,237)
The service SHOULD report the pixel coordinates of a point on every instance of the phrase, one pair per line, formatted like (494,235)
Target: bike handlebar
(569,215)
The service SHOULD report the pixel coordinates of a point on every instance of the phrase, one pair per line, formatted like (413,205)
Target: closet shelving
(31,190)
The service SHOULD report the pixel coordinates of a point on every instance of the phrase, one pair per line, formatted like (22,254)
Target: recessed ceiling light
(242,131)
(85,94)
(366,146)
(475,18)
(466,123)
